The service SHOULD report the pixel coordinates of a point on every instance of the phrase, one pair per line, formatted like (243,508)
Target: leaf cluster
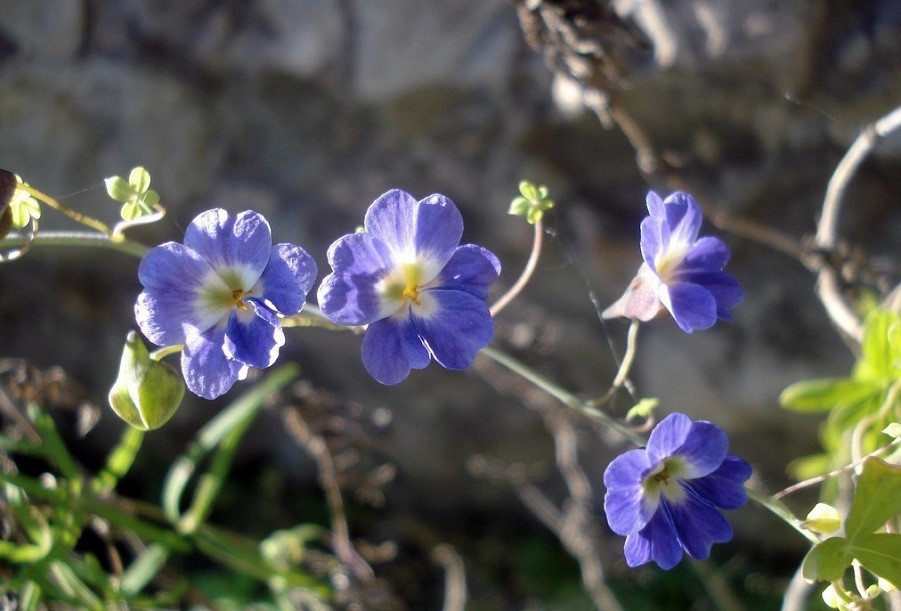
(50,514)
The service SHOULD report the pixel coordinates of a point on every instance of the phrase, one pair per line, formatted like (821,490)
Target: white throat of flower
(405,287)
(665,481)
(223,290)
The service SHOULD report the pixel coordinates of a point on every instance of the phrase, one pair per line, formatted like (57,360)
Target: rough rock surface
(308,109)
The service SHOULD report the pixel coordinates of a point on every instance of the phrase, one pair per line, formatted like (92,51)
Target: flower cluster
(681,273)
(666,497)
(421,294)
(219,294)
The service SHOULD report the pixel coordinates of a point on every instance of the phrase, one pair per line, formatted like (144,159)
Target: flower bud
(823,519)
(147,393)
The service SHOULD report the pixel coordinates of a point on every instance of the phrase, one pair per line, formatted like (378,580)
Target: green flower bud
(147,393)
(823,519)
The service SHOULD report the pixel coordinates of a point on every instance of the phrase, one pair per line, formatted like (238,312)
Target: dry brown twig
(829,287)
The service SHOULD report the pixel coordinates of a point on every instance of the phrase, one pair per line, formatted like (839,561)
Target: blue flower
(219,294)
(666,498)
(681,273)
(406,277)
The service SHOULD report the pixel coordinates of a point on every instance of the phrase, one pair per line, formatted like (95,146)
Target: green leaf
(29,596)
(119,460)
(72,586)
(827,560)
(877,499)
(881,348)
(38,531)
(643,409)
(139,179)
(131,211)
(151,198)
(880,553)
(807,467)
(57,450)
(826,393)
(528,190)
(224,431)
(143,569)
(118,189)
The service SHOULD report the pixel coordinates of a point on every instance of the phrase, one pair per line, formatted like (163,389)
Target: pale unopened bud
(823,519)
(147,393)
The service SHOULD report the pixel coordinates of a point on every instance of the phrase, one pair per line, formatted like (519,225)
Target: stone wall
(306,110)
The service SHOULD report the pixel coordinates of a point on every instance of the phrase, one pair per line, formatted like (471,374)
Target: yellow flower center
(404,284)
(238,299)
(669,262)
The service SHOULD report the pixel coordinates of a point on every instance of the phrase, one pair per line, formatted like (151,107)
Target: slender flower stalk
(527,271)
(622,374)
(79,239)
(559,393)
(72,214)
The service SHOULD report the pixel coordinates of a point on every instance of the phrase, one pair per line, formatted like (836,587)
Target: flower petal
(243,241)
(254,336)
(427,231)
(168,307)
(655,237)
(288,277)
(683,217)
(457,329)
(725,289)
(439,227)
(348,296)
(668,436)
(654,204)
(724,487)
(472,269)
(391,348)
(173,267)
(698,525)
(703,450)
(625,505)
(640,301)
(693,307)
(208,372)
(160,316)
(657,541)
(392,219)
(708,253)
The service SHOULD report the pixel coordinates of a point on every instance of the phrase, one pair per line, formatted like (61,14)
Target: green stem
(527,272)
(561,394)
(119,460)
(779,508)
(625,366)
(81,239)
(72,214)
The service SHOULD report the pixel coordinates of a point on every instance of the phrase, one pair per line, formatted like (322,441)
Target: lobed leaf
(877,499)
(827,560)
(880,553)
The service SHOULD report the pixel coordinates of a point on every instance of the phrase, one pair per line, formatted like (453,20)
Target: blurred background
(307,110)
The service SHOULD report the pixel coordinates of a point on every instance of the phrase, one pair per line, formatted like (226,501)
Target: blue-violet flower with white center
(681,272)
(219,294)
(666,497)
(421,294)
